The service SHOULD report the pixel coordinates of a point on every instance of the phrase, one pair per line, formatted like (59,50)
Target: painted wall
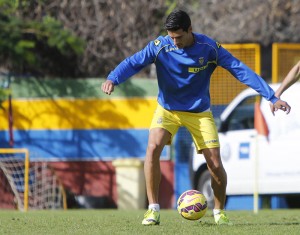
(79,129)
(81,136)
(73,120)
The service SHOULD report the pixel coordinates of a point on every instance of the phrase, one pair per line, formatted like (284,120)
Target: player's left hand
(280,104)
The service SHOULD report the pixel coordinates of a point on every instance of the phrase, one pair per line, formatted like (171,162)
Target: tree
(115,29)
(112,29)
(36,47)
(256,21)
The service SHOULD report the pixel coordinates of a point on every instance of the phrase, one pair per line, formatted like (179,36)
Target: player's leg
(163,127)
(218,175)
(218,183)
(158,138)
(205,135)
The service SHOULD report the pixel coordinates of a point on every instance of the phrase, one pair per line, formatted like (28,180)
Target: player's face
(182,38)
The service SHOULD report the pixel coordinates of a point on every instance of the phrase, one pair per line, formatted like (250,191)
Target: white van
(270,165)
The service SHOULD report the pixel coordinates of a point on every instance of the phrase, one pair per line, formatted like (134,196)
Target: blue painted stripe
(70,145)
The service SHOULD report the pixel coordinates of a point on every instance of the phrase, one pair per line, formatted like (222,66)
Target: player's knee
(154,149)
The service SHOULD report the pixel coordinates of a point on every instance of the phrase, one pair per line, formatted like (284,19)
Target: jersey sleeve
(133,64)
(244,74)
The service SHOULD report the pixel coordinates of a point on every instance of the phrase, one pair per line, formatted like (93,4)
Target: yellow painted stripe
(79,113)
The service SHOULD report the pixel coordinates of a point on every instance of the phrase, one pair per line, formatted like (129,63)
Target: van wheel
(204,186)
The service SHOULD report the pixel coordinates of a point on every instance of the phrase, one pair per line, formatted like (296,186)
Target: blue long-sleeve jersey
(184,74)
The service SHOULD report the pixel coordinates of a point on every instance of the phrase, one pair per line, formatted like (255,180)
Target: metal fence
(284,57)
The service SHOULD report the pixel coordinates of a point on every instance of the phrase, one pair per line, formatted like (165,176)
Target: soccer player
(292,77)
(184,63)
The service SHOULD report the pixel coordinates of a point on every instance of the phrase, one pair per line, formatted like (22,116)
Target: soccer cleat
(222,219)
(151,217)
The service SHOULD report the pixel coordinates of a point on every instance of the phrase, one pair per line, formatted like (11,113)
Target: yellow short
(201,126)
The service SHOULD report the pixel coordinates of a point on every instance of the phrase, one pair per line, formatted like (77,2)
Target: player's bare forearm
(292,77)
(108,87)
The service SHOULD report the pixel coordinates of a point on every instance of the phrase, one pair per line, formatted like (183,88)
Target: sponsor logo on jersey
(156,42)
(198,69)
(218,44)
(171,49)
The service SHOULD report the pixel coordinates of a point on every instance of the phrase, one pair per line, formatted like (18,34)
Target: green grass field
(129,222)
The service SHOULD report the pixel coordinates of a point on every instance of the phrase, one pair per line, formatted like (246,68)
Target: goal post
(34,185)
(8,175)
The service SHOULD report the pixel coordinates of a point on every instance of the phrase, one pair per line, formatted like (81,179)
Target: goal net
(27,185)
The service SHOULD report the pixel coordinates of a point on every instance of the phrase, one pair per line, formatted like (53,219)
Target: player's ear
(190,29)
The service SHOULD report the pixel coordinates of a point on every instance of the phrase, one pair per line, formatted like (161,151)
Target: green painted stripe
(78,88)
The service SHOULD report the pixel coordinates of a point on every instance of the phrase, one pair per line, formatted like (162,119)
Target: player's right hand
(108,87)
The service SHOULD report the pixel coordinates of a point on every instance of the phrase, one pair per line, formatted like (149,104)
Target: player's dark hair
(178,19)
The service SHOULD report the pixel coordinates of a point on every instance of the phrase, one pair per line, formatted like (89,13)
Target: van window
(242,117)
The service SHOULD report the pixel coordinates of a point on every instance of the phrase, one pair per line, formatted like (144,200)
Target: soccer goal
(26,185)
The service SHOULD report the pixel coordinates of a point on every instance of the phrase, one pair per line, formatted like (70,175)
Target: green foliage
(36,47)
(171,4)
(3,95)
(56,37)
(8,7)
